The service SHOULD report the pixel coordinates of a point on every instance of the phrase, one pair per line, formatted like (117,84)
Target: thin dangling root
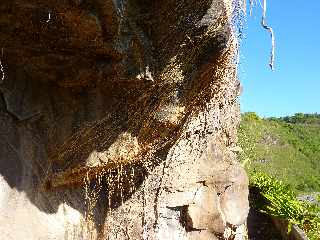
(1,68)
(252,4)
(265,26)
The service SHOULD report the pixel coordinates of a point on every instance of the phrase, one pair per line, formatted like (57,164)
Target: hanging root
(265,26)
(252,3)
(1,68)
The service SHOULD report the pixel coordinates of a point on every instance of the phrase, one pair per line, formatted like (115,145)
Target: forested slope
(287,148)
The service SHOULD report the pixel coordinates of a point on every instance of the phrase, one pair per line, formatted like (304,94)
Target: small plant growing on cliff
(280,201)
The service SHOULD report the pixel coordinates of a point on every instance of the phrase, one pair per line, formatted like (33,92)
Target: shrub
(280,201)
(249,116)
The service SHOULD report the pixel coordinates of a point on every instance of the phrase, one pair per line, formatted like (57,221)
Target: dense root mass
(118,120)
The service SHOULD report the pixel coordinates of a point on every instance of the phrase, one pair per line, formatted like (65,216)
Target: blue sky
(295,84)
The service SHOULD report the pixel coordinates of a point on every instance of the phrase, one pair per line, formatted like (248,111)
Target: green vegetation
(280,201)
(286,148)
(282,157)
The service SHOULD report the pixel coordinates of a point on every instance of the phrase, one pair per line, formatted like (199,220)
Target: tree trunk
(118,120)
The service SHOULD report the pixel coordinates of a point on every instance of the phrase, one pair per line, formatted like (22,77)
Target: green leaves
(280,201)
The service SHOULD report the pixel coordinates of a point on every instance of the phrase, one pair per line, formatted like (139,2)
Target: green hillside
(287,148)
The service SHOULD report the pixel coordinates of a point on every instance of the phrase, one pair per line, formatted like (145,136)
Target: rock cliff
(118,120)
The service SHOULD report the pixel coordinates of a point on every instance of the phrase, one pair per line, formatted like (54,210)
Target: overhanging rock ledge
(118,120)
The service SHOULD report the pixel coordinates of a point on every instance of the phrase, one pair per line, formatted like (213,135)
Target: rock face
(118,120)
